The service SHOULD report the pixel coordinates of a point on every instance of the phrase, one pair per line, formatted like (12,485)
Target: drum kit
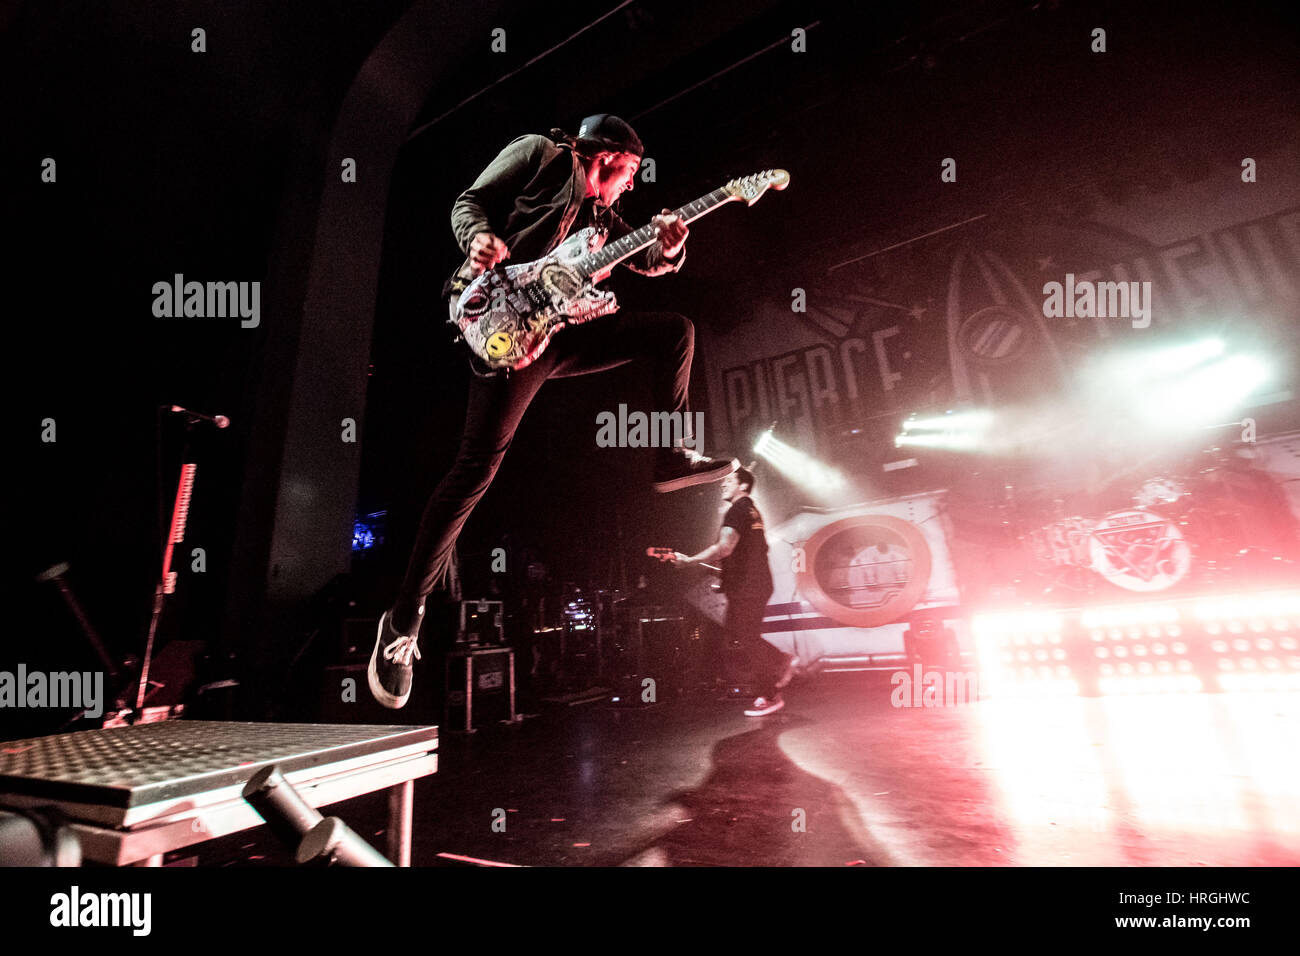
(1210,522)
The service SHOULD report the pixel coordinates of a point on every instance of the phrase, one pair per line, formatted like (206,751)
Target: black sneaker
(389,673)
(681,468)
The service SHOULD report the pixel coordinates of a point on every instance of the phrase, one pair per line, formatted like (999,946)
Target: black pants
(497,405)
(744,624)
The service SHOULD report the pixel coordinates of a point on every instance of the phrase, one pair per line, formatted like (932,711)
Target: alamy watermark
(208,300)
(933,687)
(1084,299)
(60,690)
(655,430)
(128,910)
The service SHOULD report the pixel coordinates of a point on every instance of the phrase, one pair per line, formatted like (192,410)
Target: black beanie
(611,133)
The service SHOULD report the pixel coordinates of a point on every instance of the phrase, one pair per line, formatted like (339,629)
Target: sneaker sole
(391,701)
(702,478)
(764,713)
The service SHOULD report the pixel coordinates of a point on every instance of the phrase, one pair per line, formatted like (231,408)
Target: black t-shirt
(746,570)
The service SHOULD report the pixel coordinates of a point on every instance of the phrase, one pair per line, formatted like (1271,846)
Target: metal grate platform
(131,766)
(134,793)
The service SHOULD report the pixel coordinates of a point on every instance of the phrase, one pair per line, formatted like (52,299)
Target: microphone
(221,421)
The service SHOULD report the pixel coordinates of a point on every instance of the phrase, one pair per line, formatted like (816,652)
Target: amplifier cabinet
(480,687)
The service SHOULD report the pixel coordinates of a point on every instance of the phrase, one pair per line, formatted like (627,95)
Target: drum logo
(1140,551)
(866,571)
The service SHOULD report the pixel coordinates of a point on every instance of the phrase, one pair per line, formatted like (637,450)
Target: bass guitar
(666,554)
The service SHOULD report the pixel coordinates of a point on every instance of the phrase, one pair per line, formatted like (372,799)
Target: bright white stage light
(953,441)
(972,420)
(952,431)
(1157,363)
(1206,395)
(800,468)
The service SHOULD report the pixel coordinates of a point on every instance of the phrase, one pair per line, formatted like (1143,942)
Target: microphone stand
(167,581)
(57,574)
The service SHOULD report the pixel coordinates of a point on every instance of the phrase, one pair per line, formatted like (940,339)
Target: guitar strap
(459,282)
(476,365)
(574,203)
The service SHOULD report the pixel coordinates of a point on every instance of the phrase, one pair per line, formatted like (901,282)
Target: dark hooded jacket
(532,197)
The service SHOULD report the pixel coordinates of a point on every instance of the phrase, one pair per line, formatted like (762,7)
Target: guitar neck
(615,252)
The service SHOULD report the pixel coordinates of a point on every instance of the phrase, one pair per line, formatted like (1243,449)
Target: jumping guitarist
(741,550)
(529,199)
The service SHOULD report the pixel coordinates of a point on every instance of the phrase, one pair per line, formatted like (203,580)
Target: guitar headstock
(748,188)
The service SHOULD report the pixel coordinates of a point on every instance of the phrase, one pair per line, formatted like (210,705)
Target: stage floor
(841,777)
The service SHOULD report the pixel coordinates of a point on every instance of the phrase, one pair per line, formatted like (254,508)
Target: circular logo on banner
(1140,551)
(865,571)
(498,344)
(995,334)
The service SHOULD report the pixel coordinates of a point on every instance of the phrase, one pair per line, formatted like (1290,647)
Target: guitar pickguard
(508,315)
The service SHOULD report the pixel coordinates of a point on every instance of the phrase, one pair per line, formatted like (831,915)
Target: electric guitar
(508,314)
(705,592)
(666,554)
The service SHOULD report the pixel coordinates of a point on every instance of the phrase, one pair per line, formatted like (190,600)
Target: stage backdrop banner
(959,318)
(847,581)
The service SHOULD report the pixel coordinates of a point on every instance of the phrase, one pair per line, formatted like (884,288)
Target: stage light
(1175,359)
(1189,385)
(800,468)
(972,420)
(952,431)
(951,441)
(1141,648)
(1140,368)
(1206,395)
(368,531)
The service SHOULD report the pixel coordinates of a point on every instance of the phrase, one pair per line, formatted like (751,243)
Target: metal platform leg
(401,798)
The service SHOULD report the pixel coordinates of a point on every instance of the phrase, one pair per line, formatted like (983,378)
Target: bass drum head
(1140,551)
